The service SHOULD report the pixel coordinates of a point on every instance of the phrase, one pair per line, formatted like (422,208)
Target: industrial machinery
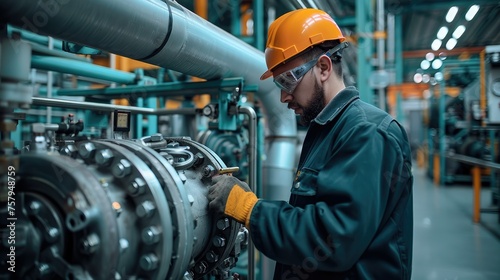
(83,200)
(466,124)
(121,209)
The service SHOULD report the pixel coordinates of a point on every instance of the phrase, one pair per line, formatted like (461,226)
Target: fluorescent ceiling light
(458,32)
(452,12)
(417,78)
(442,32)
(313,5)
(301,4)
(451,43)
(471,12)
(426,78)
(425,64)
(439,76)
(436,64)
(436,44)
(433,81)
(429,56)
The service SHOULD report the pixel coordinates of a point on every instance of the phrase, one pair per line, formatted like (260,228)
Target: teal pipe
(79,68)
(364,26)
(430,150)
(43,50)
(442,134)
(138,120)
(16,135)
(235,19)
(400,115)
(152,119)
(165,89)
(493,158)
(258,24)
(33,37)
(398,48)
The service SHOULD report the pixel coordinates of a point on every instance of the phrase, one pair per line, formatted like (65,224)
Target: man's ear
(325,65)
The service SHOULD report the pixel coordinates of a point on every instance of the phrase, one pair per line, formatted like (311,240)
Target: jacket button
(297,185)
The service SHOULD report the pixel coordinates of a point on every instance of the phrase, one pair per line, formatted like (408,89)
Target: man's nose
(285,97)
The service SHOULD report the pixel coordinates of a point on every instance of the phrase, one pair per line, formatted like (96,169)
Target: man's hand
(232,197)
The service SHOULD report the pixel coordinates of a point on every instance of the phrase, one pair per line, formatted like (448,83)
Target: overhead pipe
(80,68)
(63,103)
(381,48)
(170,36)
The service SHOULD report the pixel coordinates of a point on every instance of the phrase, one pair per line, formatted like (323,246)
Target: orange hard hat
(295,31)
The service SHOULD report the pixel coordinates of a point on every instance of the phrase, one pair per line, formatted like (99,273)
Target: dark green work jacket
(350,214)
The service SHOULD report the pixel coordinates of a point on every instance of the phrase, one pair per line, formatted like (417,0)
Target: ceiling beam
(442,5)
(457,51)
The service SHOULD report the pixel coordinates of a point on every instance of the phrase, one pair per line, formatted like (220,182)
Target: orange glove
(232,197)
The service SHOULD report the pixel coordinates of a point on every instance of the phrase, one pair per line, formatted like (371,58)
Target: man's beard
(315,105)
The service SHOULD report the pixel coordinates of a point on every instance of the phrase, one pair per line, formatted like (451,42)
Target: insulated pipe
(80,68)
(170,36)
(252,178)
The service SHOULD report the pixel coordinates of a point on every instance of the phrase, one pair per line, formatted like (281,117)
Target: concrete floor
(447,244)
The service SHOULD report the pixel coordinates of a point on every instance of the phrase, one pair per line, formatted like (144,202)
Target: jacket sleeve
(352,192)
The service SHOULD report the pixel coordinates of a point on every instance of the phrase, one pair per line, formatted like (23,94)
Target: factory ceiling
(421,21)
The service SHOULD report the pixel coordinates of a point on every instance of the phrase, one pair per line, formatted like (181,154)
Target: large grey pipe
(170,36)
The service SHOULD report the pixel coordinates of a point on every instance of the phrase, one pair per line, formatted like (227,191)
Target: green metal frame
(146,92)
(364,29)
(169,89)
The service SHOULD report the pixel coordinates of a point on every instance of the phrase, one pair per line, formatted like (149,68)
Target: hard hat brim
(266,75)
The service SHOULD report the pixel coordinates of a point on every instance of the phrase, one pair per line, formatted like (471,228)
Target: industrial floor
(447,244)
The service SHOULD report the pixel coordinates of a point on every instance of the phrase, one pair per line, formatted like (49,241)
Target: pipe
(52,102)
(482,87)
(80,68)
(252,178)
(39,49)
(391,41)
(32,37)
(381,49)
(168,35)
(50,82)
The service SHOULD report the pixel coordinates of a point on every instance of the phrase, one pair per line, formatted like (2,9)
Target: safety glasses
(289,80)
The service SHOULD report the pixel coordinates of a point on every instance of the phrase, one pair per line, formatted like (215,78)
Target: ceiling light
(313,5)
(438,76)
(436,44)
(442,32)
(301,4)
(417,78)
(426,78)
(436,64)
(458,32)
(452,12)
(425,64)
(451,43)
(471,12)
(429,56)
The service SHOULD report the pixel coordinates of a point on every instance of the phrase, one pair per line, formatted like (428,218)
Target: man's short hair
(320,49)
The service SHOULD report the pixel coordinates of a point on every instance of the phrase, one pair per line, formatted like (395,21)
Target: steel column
(364,31)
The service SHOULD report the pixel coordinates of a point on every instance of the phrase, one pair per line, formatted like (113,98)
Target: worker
(350,213)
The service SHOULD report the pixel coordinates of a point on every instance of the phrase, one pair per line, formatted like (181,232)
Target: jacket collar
(337,104)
